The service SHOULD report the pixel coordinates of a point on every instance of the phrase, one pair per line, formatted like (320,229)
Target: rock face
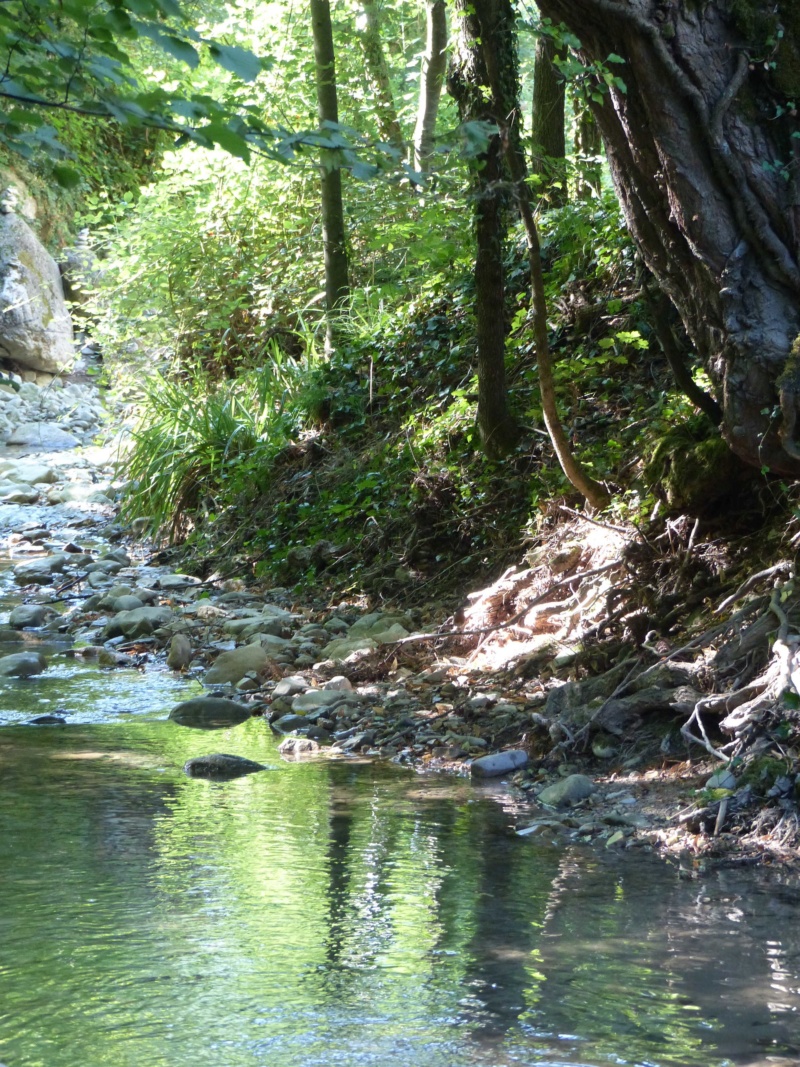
(36,326)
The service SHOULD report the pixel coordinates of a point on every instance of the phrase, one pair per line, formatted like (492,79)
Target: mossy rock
(692,467)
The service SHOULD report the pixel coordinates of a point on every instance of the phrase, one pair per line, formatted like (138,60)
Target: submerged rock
(208,713)
(22,665)
(221,765)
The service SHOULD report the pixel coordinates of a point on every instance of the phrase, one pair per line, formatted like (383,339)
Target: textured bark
(702,155)
(337,288)
(434,65)
(467,81)
(588,150)
(547,124)
(377,71)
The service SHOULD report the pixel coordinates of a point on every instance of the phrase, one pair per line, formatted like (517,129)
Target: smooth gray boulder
(319,698)
(37,328)
(209,713)
(568,791)
(22,665)
(221,766)
(290,686)
(28,615)
(499,763)
(180,653)
(41,571)
(231,667)
(137,623)
(48,436)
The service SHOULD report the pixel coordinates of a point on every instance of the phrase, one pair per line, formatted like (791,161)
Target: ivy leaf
(238,61)
(66,177)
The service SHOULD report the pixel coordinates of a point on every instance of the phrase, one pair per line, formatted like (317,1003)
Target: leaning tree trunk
(337,288)
(703,149)
(548,161)
(434,64)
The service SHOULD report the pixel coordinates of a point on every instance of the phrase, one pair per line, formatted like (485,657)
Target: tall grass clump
(194,439)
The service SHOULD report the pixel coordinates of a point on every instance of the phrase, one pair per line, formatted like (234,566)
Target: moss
(692,467)
(762,772)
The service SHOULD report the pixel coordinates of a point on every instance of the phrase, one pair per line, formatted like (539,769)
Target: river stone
(499,763)
(180,653)
(47,720)
(317,698)
(25,615)
(37,328)
(20,494)
(22,665)
(126,602)
(339,683)
(568,791)
(723,779)
(209,713)
(298,746)
(234,665)
(47,436)
(220,766)
(290,686)
(30,473)
(137,623)
(287,723)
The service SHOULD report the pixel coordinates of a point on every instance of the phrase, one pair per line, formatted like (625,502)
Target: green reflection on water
(330,913)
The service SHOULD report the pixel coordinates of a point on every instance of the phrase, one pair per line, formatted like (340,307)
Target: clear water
(331,913)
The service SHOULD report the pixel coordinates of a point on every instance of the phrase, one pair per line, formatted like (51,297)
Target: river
(344,912)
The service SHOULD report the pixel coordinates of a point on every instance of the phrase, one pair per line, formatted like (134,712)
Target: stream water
(343,912)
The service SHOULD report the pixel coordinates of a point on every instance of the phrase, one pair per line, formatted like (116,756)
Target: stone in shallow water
(25,615)
(234,665)
(298,746)
(499,763)
(221,765)
(180,653)
(209,713)
(569,791)
(47,720)
(22,665)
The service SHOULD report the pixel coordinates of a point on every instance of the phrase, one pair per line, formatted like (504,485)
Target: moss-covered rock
(692,467)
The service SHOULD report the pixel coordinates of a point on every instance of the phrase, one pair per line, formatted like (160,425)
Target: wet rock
(316,698)
(28,615)
(359,740)
(220,766)
(209,713)
(137,623)
(291,686)
(298,746)
(287,724)
(499,763)
(40,571)
(128,602)
(22,665)
(180,653)
(47,720)
(568,791)
(231,667)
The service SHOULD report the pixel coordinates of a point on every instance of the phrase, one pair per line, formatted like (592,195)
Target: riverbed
(340,910)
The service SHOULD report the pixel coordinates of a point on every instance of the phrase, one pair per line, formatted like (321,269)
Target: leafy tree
(377,71)
(702,138)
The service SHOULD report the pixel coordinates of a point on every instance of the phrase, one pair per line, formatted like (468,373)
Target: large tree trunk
(588,152)
(467,82)
(337,288)
(434,64)
(702,153)
(547,124)
(378,76)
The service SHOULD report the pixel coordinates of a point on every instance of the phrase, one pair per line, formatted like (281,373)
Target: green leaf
(180,49)
(66,177)
(227,139)
(614,58)
(237,60)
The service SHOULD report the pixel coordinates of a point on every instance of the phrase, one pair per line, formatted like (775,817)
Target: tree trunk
(337,286)
(378,76)
(588,150)
(434,64)
(703,150)
(467,82)
(547,123)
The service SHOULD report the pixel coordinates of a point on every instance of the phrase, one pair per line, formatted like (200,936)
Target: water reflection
(329,913)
